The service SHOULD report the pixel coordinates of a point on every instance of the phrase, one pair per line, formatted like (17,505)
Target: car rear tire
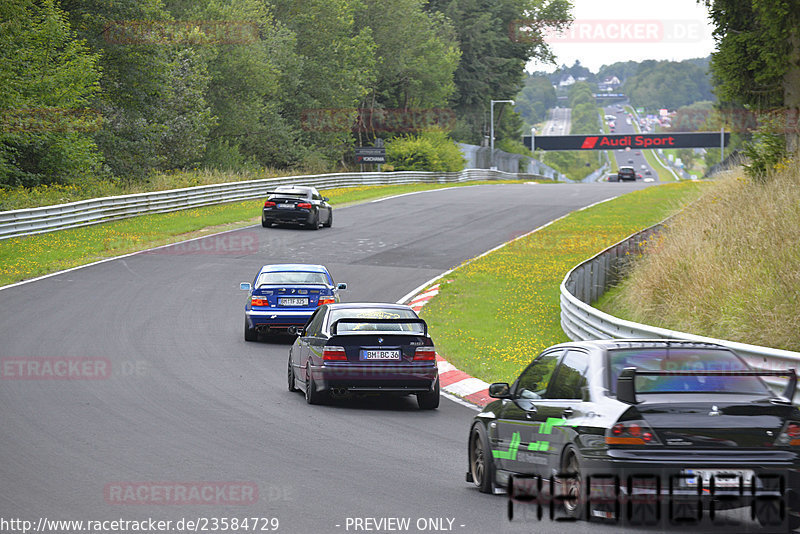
(572,487)
(265,224)
(312,395)
(250,334)
(430,399)
(314,225)
(330,221)
(481,462)
(290,377)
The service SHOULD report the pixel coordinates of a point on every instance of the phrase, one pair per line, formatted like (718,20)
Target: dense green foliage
(48,78)
(668,84)
(428,151)
(99,90)
(492,57)
(757,66)
(536,97)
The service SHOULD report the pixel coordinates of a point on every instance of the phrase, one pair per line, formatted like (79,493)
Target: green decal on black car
(516,438)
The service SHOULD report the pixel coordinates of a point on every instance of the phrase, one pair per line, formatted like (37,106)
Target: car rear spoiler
(626,382)
(368,320)
(289,193)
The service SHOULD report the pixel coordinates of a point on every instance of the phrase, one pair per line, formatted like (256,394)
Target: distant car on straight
(297,205)
(283,296)
(692,417)
(351,349)
(626,173)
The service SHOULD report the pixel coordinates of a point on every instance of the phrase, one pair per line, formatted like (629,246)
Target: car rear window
(375,313)
(291,192)
(291,277)
(684,359)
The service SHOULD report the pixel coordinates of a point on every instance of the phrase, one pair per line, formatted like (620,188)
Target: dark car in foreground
(626,173)
(283,297)
(364,348)
(292,204)
(665,418)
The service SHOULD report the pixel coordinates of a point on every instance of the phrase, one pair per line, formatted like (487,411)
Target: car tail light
(425,354)
(259,301)
(269,204)
(790,435)
(326,299)
(631,433)
(304,205)
(335,354)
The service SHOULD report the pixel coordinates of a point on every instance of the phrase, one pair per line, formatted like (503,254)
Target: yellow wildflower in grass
(500,311)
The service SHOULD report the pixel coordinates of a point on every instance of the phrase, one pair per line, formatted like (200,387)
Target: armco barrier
(85,212)
(586,282)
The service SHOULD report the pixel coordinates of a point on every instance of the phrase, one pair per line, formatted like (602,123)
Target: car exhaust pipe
(339,392)
(293,331)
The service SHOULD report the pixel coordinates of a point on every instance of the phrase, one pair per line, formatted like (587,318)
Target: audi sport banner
(637,141)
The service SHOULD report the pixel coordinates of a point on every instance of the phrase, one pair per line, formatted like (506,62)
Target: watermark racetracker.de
(237,493)
(70,368)
(239,243)
(49,119)
(607,31)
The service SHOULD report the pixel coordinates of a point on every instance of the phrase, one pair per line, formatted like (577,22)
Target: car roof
(611,344)
(293,267)
(369,305)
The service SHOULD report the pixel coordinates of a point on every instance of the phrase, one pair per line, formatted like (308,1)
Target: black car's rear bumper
(281,216)
(376,378)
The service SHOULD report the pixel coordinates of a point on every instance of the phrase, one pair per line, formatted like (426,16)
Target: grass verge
(493,315)
(27,257)
(728,267)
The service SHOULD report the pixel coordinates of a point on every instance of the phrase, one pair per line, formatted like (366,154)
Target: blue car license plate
(294,301)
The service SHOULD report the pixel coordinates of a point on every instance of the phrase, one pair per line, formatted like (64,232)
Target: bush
(432,151)
(766,150)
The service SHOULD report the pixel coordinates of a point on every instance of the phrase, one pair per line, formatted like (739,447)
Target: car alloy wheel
(572,486)
(312,395)
(481,465)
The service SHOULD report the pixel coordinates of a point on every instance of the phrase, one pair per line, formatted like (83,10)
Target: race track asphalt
(188,401)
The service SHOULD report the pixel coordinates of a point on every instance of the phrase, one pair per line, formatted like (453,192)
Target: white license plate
(286,206)
(294,302)
(380,354)
(723,478)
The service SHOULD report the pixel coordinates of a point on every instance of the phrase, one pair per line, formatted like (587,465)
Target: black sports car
(668,418)
(291,204)
(365,348)
(626,173)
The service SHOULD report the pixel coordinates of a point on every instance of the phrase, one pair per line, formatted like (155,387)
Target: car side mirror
(500,390)
(325,199)
(341,286)
(245,286)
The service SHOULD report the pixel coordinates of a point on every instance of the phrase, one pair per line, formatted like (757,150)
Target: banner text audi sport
(636,141)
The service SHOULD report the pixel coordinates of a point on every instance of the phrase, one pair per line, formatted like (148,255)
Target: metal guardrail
(586,282)
(86,212)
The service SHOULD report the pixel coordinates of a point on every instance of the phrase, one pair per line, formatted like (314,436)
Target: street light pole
(491,119)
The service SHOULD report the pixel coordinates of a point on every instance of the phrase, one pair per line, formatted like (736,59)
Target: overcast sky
(607,31)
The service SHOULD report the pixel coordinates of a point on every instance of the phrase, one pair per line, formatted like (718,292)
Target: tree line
(120,89)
